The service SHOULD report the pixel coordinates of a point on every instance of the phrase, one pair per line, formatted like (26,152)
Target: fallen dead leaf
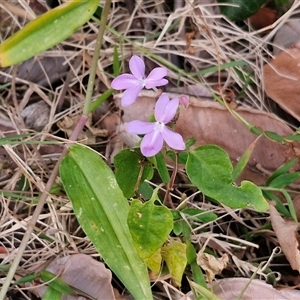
(83,273)
(232,288)
(282,79)
(211,265)
(43,71)
(288,237)
(286,35)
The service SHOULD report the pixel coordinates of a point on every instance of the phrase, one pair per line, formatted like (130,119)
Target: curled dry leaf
(83,273)
(36,115)
(211,265)
(210,123)
(282,80)
(288,237)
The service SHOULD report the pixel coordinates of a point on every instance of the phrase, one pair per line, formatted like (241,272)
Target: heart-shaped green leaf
(102,211)
(209,168)
(150,226)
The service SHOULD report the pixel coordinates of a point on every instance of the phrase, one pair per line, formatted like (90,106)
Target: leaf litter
(201,39)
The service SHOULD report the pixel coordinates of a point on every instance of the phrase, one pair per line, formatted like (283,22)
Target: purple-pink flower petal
(165,109)
(137,67)
(140,127)
(170,110)
(152,143)
(124,81)
(173,139)
(160,106)
(130,95)
(155,78)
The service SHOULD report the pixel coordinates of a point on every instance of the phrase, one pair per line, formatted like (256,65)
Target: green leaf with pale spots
(102,210)
(150,226)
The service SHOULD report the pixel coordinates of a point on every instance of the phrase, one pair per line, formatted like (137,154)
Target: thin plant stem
(74,136)
(171,183)
(91,83)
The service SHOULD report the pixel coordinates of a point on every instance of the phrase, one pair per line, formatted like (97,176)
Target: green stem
(91,83)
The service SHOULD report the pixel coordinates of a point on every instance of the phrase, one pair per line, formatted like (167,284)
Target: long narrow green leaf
(102,211)
(52,294)
(46,31)
(56,283)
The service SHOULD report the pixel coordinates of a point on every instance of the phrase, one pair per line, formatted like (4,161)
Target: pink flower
(156,133)
(135,82)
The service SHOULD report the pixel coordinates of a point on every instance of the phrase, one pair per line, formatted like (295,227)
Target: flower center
(159,126)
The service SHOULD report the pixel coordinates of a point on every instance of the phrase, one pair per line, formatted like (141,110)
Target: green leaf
(56,283)
(199,215)
(146,190)
(209,168)
(291,206)
(274,136)
(131,170)
(102,211)
(241,164)
(192,261)
(239,10)
(160,164)
(46,31)
(26,278)
(284,179)
(279,205)
(116,62)
(204,292)
(52,294)
(281,170)
(150,226)
(95,104)
(174,255)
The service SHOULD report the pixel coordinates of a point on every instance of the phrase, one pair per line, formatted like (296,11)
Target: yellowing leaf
(174,255)
(154,261)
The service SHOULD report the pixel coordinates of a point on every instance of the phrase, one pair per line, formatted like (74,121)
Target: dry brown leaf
(83,273)
(263,17)
(43,71)
(282,80)
(211,265)
(231,288)
(286,35)
(210,123)
(288,237)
